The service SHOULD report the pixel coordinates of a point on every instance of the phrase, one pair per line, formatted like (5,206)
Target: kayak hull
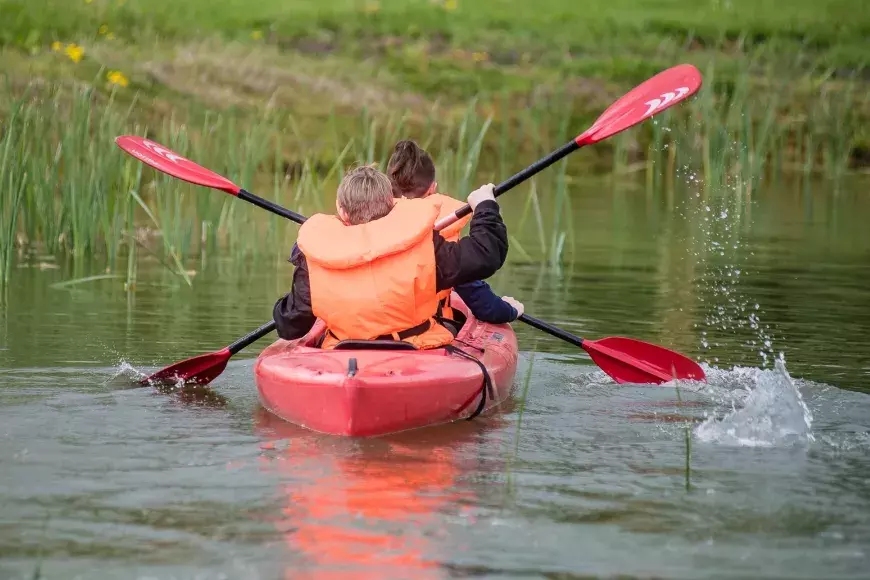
(365,393)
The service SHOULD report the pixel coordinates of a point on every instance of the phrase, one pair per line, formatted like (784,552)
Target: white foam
(772,412)
(124,370)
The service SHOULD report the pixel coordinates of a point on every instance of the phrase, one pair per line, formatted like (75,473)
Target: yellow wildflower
(56,46)
(116,77)
(371,7)
(104,28)
(75,52)
(256,34)
(451,5)
(480,56)
(110,36)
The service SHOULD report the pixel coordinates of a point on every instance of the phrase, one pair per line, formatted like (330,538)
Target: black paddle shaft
(269,206)
(516,179)
(252,337)
(551,330)
(499,189)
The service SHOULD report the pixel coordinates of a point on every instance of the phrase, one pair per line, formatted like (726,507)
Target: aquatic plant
(521,407)
(93,200)
(524,395)
(687,436)
(740,129)
(12,181)
(70,186)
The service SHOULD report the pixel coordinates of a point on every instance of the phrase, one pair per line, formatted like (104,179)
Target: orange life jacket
(375,280)
(451,233)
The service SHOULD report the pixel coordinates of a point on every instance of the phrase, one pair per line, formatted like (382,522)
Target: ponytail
(410,169)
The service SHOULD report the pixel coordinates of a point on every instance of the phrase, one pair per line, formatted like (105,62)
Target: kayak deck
(364,392)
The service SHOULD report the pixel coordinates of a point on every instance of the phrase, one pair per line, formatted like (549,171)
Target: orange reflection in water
(368,508)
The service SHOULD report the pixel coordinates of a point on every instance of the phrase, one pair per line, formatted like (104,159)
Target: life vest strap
(409,332)
(452,323)
(401,335)
(487,379)
(442,304)
(454,326)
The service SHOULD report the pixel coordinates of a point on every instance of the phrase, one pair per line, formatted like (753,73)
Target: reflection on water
(373,508)
(101,479)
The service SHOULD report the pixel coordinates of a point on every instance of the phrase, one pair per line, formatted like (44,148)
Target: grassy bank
(334,57)
(282,95)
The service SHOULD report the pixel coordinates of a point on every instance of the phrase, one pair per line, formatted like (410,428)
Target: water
(100,479)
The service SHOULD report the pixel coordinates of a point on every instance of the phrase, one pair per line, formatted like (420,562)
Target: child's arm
(292,313)
(484,304)
(478,255)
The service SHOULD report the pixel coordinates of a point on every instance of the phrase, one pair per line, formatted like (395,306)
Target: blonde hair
(365,194)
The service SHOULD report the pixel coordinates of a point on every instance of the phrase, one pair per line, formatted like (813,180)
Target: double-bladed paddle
(625,360)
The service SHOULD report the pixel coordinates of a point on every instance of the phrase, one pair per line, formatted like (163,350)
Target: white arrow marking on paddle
(666,98)
(165,153)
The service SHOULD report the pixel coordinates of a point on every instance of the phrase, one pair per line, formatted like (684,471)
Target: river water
(762,472)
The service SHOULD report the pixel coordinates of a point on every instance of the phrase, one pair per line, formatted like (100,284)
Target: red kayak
(375,391)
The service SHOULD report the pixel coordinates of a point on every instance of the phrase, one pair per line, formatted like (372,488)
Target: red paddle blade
(627,360)
(649,98)
(167,161)
(199,370)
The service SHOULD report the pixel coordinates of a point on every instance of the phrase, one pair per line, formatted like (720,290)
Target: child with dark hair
(412,174)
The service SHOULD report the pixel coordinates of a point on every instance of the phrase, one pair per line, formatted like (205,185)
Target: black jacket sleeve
(292,313)
(476,256)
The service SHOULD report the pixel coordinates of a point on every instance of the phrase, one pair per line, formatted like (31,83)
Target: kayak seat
(374,345)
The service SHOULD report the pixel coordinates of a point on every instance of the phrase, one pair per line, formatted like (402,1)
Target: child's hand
(482,193)
(518,306)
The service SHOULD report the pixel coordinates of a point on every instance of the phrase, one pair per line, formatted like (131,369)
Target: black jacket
(476,256)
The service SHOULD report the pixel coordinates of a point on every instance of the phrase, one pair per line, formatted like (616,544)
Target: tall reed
(521,408)
(87,201)
(687,438)
(71,190)
(743,126)
(13,183)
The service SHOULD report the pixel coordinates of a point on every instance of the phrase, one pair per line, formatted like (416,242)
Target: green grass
(546,29)
(407,54)
(282,96)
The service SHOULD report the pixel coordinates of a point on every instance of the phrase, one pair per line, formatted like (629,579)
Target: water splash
(718,217)
(125,369)
(766,410)
(123,375)
(758,407)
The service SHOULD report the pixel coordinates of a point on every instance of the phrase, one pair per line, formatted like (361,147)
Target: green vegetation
(687,433)
(87,198)
(281,96)
(521,407)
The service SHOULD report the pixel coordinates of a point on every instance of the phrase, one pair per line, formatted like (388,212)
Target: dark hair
(411,170)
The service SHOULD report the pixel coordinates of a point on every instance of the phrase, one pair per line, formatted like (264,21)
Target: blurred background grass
(282,95)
